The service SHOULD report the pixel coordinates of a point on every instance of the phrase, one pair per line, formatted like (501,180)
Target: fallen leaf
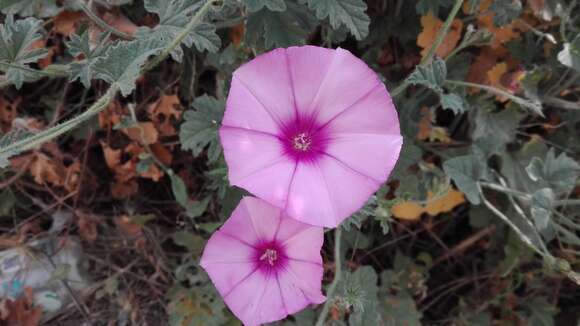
(424,124)
(72,176)
(412,210)
(120,22)
(46,170)
(123,190)
(163,112)
(8,112)
(87,226)
(484,62)
(125,224)
(145,133)
(66,21)
(162,153)
(431,26)
(112,156)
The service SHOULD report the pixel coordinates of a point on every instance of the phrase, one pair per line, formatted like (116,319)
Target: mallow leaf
(121,64)
(505,11)
(558,172)
(431,76)
(465,172)
(80,45)
(541,208)
(26,8)
(279,29)
(350,13)
(272,5)
(200,128)
(16,39)
(173,17)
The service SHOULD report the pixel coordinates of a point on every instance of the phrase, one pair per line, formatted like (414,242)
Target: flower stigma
(302,142)
(269,255)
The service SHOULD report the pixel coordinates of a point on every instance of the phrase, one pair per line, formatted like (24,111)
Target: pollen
(302,142)
(270,256)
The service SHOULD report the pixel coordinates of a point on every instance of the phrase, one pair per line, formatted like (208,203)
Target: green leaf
(26,8)
(423,7)
(193,242)
(174,15)
(558,172)
(80,45)
(193,209)
(272,5)
(570,55)
(465,172)
(200,127)
(497,129)
(431,76)
(121,64)
(277,29)
(9,138)
(541,208)
(350,13)
(453,102)
(357,290)
(16,38)
(505,11)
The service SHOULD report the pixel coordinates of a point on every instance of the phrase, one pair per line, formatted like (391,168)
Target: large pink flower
(310,130)
(264,265)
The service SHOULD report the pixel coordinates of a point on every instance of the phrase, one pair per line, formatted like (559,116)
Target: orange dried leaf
(87,226)
(112,156)
(122,190)
(127,227)
(47,170)
(407,210)
(120,22)
(145,133)
(431,26)
(65,22)
(445,204)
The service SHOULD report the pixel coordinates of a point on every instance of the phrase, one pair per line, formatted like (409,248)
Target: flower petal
(267,78)
(304,245)
(257,300)
(374,114)
(308,68)
(263,217)
(300,285)
(348,81)
(327,192)
(244,111)
(372,155)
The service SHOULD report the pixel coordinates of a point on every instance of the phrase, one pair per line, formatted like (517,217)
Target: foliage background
(109,113)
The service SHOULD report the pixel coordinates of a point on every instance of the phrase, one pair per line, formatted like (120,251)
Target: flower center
(302,142)
(270,256)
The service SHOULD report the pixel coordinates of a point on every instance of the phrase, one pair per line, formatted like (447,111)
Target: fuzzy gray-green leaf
(350,13)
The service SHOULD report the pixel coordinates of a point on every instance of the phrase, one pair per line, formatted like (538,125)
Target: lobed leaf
(350,13)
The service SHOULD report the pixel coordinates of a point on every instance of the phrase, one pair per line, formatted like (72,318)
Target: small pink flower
(265,266)
(311,130)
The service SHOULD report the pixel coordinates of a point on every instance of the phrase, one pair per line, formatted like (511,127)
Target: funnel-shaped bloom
(264,265)
(310,130)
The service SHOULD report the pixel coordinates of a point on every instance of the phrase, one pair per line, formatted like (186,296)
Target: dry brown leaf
(123,190)
(46,170)
(21,312)
(120,22)
(431,26)
(164,112)
(237,34)
(145,133)
(162,153)
(112,156)
(8,112)
(407,210)
(65,22)
(127,227)
(482,64)
(72,176)
(112,115)
(87,226)
(424,124)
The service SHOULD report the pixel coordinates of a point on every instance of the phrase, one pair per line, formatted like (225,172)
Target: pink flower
(265,266)
(310,130)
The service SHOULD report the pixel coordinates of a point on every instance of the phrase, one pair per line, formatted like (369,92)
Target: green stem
(337,275)
(536,108)
(103,24)
(438,40)
(199,15)
(48,134)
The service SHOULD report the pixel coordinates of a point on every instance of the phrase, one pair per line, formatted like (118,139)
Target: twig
(463,245)
(337,275)
(560,103)
(103,24)
(16,176)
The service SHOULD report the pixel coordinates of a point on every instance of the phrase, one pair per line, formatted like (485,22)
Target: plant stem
(536,108)
(438,40)
(442,32)
(195,20)
(337,275)
(48,134)
(103,24)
